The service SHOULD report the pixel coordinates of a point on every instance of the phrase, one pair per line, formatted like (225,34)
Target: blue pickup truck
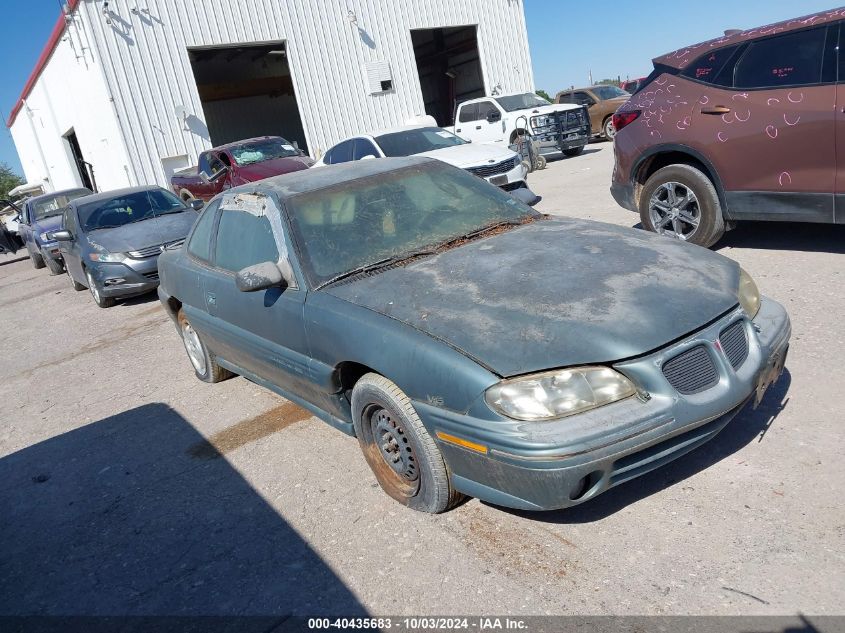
(40,216)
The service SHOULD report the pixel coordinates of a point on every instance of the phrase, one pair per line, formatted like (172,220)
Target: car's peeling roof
(114,193)
(297,182)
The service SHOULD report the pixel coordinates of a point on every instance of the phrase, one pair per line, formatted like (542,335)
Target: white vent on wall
(378,76)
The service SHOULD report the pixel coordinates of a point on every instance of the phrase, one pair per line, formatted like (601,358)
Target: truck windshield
(128,208)
(609,92)
(48,206)
(408,142)
(259,151)
(512,103)
(366,221)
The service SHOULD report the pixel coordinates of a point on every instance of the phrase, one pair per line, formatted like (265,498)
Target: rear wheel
(402,455)
(202,359)
(574,151)
(56,267)
(608,129)
(680,201)
(76,285)
(99,299)
(37,260)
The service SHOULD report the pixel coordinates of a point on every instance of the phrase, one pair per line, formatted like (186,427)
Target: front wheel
(37,260)
(202,359)
(680,201)
(99,299)
(76,285)
(56,267)
(574,151)
(403,456)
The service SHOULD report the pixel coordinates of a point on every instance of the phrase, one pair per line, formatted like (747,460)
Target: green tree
(8,180)
(544,94)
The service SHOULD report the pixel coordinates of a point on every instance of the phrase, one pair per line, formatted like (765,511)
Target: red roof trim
(46,54)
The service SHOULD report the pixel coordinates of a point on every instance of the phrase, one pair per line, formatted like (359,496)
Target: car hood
(139,235)
(555,293)
(274,167)
(471,155)
(553,107)
(53,223)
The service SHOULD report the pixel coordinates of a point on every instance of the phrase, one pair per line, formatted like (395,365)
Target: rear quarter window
(714,67)
(199,244)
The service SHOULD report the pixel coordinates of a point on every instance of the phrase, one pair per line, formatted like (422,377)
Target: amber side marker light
(457,441)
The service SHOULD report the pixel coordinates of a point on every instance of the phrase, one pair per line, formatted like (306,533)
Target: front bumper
(510,180)
(551,465)
(50,250)
(135,277)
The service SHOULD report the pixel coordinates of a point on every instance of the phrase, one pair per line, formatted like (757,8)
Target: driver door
(488,126)
(261,332)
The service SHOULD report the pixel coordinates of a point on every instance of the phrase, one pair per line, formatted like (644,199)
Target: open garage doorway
(449,67)
(247,91)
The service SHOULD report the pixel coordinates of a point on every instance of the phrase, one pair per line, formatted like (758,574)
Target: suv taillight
(622,119)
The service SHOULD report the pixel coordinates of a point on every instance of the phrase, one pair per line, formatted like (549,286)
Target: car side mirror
(263,276)
(215,176)
(61,236)
(493,116)
(196,204)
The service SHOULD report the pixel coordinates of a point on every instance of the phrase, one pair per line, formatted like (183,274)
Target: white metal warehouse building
(128,91)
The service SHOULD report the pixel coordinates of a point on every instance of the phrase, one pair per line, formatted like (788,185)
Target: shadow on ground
(120,518)
(786,236)
(748,426)
(11,259)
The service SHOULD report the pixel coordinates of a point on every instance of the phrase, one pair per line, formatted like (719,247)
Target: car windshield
(259,151)
(49,206)
(609,92)
(417,141)
(521,102)
(391,215)
(128,208)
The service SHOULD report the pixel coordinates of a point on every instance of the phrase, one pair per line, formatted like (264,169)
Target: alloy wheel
(674,210)
(193,347)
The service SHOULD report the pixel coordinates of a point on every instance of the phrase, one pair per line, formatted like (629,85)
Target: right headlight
(748,294)
(557,394)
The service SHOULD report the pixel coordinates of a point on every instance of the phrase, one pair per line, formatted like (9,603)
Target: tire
(202,359)
(37,261)
(388,428)
(99,299)
(76,285)
(608,130)
(699,220)
(574,151)
(56,268)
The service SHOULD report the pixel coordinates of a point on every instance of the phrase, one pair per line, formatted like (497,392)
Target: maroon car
(236,164)
(744,127)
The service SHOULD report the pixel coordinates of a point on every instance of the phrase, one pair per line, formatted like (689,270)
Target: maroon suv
(744,127)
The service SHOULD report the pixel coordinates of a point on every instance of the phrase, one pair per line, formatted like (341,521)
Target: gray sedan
(110,242)
(472,345)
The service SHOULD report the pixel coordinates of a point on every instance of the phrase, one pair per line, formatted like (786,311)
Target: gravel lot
(129,487)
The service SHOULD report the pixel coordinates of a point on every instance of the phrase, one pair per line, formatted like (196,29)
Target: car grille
(734,342)
(572,120)
(152,251)
(692,371)
(492,170)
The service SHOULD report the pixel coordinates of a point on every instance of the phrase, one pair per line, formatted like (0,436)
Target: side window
(794,59)
(715,67)
(363,148)
(69,221)
(565,97)
(468,113)
(582,98)
(199,244)
(340,153)
(485,108)
(244,239)
(203,164)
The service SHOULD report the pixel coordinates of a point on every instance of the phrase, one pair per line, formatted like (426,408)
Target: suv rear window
(712,67)
(793,59)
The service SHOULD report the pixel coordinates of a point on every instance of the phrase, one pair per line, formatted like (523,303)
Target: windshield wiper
(360,270)
(488,227)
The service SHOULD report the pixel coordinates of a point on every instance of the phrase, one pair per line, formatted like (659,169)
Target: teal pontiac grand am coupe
(472,345)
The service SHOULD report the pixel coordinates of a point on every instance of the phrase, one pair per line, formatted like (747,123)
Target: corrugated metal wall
(144,51)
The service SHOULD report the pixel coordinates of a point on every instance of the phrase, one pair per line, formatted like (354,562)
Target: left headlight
(116,258)
(542,121)
(748,294)
(557,394)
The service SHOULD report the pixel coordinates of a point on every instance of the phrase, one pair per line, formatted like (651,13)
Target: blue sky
(568,38)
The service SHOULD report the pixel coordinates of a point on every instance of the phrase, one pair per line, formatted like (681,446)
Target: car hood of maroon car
(554,293)
(274,167)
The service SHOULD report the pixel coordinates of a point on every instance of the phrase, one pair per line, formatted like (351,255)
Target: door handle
(477,127)
(211,299)
(717,110)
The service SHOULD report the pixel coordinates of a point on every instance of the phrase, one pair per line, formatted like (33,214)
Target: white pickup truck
(499,120)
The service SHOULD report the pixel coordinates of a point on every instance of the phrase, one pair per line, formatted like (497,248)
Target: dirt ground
(129,487)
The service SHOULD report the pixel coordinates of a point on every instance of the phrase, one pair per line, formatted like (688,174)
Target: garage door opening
(247,91)
(449,67)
